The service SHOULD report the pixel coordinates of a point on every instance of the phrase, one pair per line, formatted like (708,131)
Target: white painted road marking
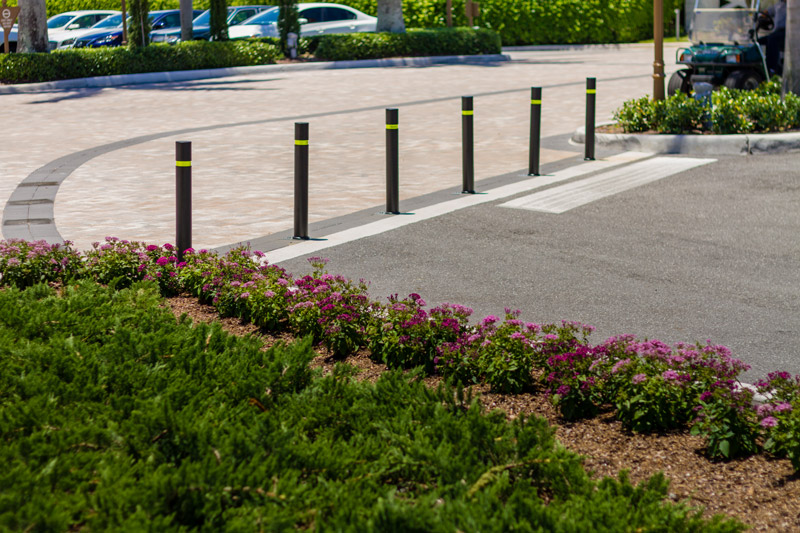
(571,195)
(306,248)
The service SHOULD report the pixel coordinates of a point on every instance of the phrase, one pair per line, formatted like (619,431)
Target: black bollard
(392,162)
(591,90)
(300,180)
(536,131)
(467,146)
(183,197)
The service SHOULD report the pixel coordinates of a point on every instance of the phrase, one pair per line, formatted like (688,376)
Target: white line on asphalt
(571,195)
(304,248)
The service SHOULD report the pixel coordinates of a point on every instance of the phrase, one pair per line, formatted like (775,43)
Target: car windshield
(59,20)
(267,17)
(203,19)
(721,26)
(111,22)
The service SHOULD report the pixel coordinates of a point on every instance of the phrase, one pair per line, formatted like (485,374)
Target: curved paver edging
(187,75)
(740,144)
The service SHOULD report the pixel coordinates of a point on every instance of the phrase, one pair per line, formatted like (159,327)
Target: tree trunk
(390,16)
(139,29)
(32,26)
(219,20)
(186,19)
(791,53)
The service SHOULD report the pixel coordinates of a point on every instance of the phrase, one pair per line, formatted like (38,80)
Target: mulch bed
(762,492)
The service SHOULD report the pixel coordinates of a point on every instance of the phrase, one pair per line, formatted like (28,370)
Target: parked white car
(63,26)
(315,19)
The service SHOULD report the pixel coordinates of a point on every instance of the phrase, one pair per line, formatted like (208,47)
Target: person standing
(775,41)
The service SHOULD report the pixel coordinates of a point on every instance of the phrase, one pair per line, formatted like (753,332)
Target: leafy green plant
(728,114)
(635,115)
(728,422)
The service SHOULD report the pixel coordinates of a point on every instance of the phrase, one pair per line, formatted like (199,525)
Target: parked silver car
(315,19)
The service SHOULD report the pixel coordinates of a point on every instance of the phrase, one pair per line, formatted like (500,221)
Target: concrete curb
(187,75)
(741,144)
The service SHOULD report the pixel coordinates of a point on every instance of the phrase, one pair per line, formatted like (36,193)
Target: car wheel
(679,82)
(742,79)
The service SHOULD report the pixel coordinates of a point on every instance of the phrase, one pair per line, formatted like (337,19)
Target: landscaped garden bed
(615,401)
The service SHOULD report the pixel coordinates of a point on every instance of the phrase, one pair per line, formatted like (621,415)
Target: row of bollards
(183,163)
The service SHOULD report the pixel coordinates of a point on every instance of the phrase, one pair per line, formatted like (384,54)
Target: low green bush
(81,63)
(115,416)
(728,111)
(415,42)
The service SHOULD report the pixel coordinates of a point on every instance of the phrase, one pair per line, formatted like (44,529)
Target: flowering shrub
(572,383)
(332,309)
(402,334)
(728,421)
(653,386)
(24,263)
(120,263)
(780,417)
(240,284)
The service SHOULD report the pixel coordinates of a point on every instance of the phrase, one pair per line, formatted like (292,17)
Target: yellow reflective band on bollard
(391,126)
(591,91)
(183,163)
(466,112)
(300,142)
(536,102)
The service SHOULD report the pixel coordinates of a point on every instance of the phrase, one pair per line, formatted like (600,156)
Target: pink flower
(152,248)
(769,422)
(161,261)
(639,378)
(670,375)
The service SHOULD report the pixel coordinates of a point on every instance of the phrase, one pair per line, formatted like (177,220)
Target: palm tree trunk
(791,54)
(32,27)
(186,19)
(390,16)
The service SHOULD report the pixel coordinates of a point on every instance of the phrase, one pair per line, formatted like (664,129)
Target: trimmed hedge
(415,42)
(517,21)
(82,63)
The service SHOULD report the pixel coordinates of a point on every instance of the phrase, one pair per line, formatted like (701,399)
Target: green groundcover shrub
(81,63)
(517,21)
(115,416)
(728,111)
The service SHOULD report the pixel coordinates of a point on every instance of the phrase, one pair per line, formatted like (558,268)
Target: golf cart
(725,49)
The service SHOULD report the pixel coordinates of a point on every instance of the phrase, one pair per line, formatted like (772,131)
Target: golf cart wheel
(743,79)
(679,82)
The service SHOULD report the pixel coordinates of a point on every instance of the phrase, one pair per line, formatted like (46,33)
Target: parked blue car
(201,28)
(111,35)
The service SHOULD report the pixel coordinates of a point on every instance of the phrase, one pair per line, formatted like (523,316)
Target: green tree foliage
(139,26)
(219,20)
(517,21)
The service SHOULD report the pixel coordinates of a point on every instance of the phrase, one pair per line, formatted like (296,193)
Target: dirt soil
(762,492)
